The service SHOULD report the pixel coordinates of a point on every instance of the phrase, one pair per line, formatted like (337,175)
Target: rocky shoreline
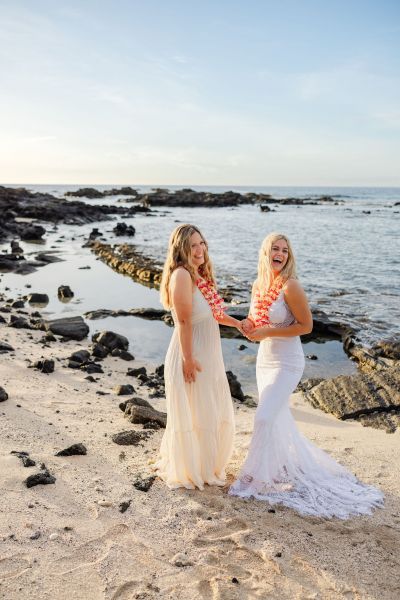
(187,197)
(371,396)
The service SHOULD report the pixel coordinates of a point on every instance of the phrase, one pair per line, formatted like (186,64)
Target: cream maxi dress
(198,439)
(282,466)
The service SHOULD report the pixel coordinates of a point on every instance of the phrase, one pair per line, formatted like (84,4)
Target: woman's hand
(257,334)
(190,366)
(247,326)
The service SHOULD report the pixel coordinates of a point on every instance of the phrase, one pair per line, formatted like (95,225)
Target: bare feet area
(92,534)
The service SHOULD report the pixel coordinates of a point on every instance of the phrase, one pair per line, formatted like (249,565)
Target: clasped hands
(249,330)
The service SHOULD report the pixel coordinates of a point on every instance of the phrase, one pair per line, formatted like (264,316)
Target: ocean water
(347,257)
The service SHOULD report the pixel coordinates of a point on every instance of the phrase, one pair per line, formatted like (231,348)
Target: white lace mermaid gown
(282,466)
(198,439)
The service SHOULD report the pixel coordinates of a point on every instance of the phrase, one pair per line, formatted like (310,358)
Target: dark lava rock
(73,364)
(3,395)
(42,478)
(33,232)
(4,347)
(18,304)
(235,387)
(242,347)
(143,484)
(265,208)
(137,371)
(16,248)
(94,234)
(18,322)
(312,356)
(111,340)
(143,414)
(124,229)
(372,397)
(123,390)
(136,401)
(38,298)
(123,354)
(24,456)
(73,450)
(65,292)
(92,368)
(99,351)
(152,425)
(80,356)
(44,366)
(123,506)
(160,371)
(86,193)
(130,437)
(73,328)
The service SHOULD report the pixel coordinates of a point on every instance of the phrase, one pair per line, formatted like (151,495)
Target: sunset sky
(211,92)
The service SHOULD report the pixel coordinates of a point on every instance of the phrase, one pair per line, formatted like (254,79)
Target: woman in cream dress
(282,466)
(198,439)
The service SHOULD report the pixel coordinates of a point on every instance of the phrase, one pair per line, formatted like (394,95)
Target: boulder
(3,395)
(75,449)
(130,437)
(42,478)
(64,292)
(38,298)
(73,328)
(32,233)
(142,414)
(44,366)
(235,387)
(111,340)
(123,390)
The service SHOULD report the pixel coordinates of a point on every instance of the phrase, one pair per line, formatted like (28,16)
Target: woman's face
(197,249)
(279,255)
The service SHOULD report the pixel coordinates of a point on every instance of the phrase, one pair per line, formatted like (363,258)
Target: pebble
(180,560)
(104,503)
(53,536)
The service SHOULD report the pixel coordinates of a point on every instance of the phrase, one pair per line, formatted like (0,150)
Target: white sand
(106,554)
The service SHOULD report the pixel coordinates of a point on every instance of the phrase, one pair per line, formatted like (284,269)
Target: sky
(210,92)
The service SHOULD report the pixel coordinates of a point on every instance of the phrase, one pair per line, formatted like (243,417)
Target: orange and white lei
(262,303)
(217,305)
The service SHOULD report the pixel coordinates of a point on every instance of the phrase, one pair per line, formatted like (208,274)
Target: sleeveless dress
(282,466)
(198,439)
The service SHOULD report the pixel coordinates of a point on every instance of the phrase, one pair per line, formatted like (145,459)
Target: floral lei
(263,301)
(207,288)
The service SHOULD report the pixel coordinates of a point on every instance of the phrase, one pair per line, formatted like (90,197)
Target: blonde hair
(179,255)
(264,275)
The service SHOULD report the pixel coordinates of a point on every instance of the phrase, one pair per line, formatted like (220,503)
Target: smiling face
(197,250)
(279,255)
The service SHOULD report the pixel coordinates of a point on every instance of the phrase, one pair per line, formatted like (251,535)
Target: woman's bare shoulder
(293,287)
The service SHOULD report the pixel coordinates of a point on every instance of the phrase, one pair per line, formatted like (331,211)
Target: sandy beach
(70,540)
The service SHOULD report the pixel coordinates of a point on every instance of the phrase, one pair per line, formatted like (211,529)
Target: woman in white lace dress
(198,439)
(282,466)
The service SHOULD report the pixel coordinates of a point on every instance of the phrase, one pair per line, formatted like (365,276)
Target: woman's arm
(296,300)
(247,325)
(230,322)
(181,287)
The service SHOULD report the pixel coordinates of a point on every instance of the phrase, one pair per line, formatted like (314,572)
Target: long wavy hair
(179,255)
(265,273)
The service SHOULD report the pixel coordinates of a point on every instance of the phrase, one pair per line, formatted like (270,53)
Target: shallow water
(348,261)
(101,287)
